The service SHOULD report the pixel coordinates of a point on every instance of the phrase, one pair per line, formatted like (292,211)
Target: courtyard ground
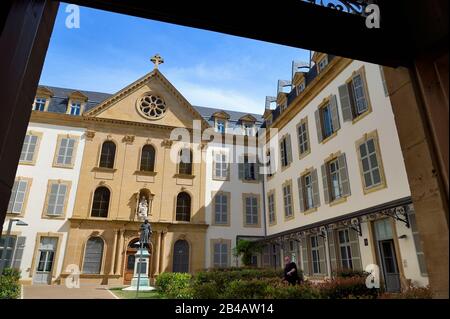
(62,292)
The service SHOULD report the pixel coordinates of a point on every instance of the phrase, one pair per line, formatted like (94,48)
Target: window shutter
(326,194)
(241,170)
(257,166)
(305,261)
(322,256)
(288,149)
(366,89)
(300,194)
(345,103)
(343,174)
(334,113)
(20,245)
(315,187)
(354,246)
(332,248)
(318,126)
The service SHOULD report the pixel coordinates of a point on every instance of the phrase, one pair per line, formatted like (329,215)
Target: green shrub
(221,277)
(163,280)
(9,284)
(246,249)
(343,288)
(205,290)
(245,289)
(286,291)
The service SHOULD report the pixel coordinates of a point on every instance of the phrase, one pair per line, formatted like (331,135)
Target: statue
(146,232)
(143,208)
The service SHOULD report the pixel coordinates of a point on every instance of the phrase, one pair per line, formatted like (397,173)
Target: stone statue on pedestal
(143,208)
(146,232)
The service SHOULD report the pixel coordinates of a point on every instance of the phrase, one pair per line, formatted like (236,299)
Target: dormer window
(76,104)
(301,87)
(220,125)
(75,108)
(322,64)
(39,104)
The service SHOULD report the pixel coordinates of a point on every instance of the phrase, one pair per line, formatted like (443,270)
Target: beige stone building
(337,196)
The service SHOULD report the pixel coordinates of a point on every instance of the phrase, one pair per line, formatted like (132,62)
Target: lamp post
(6,245)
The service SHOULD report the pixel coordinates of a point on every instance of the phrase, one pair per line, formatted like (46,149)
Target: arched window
(93,254)
(183,207)
(181,256)
(185,162)
(100,204)
(148,159)
(108,154)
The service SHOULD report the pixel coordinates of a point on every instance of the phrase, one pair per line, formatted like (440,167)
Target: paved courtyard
(62,292)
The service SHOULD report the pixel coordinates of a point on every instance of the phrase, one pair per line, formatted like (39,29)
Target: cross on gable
(157,60)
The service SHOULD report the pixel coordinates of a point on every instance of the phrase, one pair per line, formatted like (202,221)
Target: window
(370,163)
(345,250)
(251,210)
(75,108)
(108,154)
(327,119)
(183,210)
(247,168)
(221,206)
(100,204)
(57,194)
(185,162)
(301,87)
(18,197)
(181,256)
(308,189)
(39,104)
(29,148)
(354,97)
(93,256)
(335,179)
(287,200)
(417,242)
(271,205)
(220,254)
(327,122)
(220,125)
(315,254)
(220,166)
(65,151)
(147,158)
(249,129)
(286,150)
(269,165)
(9,250)
(322,64)
(303,137)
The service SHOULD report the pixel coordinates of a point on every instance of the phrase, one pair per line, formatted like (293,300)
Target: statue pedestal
(141,266)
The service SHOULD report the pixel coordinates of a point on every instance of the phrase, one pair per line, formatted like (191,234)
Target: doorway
(45,260)
(387,255)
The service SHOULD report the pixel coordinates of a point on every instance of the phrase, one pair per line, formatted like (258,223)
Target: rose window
(152,106)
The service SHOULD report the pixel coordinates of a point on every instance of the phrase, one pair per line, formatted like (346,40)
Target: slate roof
(60,99)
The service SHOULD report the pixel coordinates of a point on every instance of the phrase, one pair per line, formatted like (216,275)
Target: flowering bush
(410,293)
(348,287)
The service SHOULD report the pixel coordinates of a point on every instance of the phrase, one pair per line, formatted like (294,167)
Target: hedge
(9,284)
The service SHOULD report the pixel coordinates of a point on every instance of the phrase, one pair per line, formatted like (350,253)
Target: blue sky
(109,51)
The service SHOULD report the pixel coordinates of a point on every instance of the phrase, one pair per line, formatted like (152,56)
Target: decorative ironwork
(398,213)
(349,6)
